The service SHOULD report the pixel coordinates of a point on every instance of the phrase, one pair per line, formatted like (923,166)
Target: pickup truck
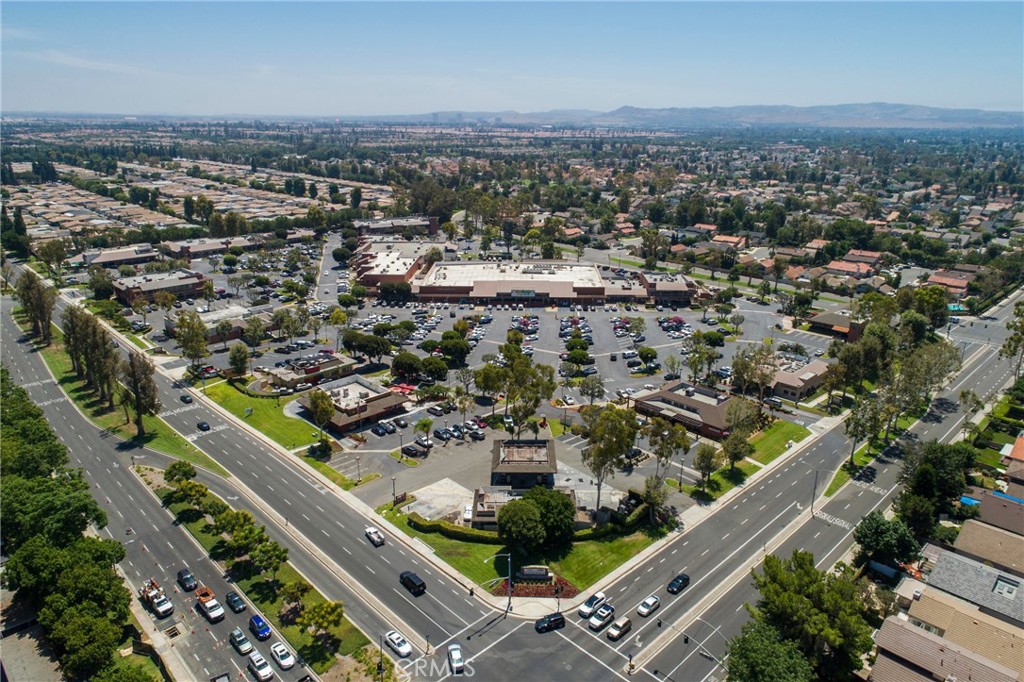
(154,597)
(208,604)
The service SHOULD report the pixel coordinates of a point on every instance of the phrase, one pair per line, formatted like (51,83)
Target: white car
(592,604)
(398,644)
(284,658)
(455,659)
(568,400)
(467,513)
(260,667)
(649,605)
(375,537)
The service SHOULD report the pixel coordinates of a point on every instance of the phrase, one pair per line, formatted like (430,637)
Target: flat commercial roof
(468,274)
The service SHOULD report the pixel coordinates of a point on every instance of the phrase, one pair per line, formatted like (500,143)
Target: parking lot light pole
(394,495)
(359,471)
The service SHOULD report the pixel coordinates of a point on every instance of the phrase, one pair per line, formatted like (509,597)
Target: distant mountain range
(841,116)
(873,115)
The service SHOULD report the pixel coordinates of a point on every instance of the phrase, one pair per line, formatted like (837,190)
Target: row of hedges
(450,530)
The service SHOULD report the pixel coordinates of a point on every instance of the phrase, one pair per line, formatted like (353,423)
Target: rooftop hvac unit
(364,394)
(344,392)
(689,392)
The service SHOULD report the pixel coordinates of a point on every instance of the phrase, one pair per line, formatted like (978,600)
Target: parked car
(477,435)
(412,451)
(400,422)
(379,430)
(435,410)
(424,442)
(442,434)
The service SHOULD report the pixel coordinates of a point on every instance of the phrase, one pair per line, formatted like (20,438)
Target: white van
(628,354)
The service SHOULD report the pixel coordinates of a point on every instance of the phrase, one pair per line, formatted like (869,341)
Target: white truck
(153,595)
(208,604)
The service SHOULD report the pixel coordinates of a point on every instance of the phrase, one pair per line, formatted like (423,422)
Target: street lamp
(359,471)
(380,662)
(508,558)
(394,495)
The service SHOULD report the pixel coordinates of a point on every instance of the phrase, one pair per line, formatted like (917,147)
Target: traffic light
(686,639)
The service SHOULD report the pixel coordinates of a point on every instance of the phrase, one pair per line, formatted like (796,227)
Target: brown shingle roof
(923,651)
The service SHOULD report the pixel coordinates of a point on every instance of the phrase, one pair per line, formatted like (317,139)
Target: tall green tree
(140,391)
(321,408)
(192,336)
(883,540)
(706,460)
(557,513)
(520,526)
(612,435)
(238,359)
(759,653)
(822,612)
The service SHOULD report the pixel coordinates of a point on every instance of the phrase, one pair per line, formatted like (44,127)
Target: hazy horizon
(327,59)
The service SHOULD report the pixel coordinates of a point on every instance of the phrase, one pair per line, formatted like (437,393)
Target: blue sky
(338,58)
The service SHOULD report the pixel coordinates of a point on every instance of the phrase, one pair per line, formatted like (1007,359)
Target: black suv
(550,622)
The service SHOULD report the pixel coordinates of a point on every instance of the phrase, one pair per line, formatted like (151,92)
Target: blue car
(259,628)
(379,430)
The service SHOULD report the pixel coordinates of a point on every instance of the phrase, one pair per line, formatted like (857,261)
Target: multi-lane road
(324,530)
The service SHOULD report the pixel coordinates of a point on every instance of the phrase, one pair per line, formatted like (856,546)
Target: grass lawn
(267,415)
(771,443)
(344,639)
(720,482)
(582,565)
(159,435)
(147,664)
(989,457)
(556,427)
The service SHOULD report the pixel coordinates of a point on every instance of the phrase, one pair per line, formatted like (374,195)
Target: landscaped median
(592,554)
(866,453)
(159,434)
(270,591)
